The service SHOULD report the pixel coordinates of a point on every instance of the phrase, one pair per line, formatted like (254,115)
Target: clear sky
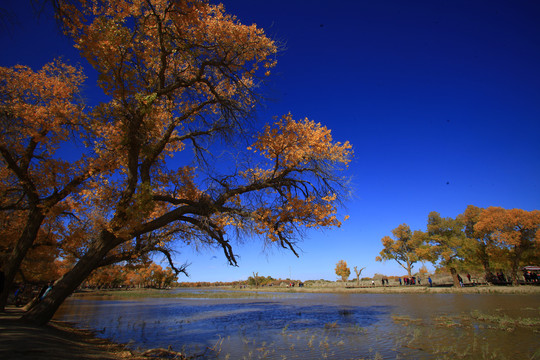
(440,99)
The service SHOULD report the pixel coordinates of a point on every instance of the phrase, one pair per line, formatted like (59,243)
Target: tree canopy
(182,78)
(513,233)
(479,238)
(403,248)
(342,270)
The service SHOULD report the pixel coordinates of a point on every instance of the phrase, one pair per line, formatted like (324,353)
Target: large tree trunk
(24,243)
(44,311)
(484,258)
(515,266)
(488,274)
(455,278)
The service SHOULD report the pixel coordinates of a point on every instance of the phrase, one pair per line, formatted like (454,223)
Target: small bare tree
(358,273)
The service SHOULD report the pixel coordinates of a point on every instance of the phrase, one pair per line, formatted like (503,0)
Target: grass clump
(330,326)
(405,319)
(505,322)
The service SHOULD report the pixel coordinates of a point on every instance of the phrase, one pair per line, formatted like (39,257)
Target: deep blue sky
(440,99)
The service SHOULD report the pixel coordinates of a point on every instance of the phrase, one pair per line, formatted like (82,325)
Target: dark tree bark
(455,278)
(24,243)
(42,312)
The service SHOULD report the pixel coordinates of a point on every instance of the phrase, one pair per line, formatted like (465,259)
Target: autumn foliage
(144,173)
(514,235)
(342,270)
(149,275)
(403,248)
(490,239)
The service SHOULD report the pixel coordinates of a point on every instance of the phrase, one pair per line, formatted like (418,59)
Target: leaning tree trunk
(24,243)
(44,311)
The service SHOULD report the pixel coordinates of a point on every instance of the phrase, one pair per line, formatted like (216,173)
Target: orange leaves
(179,74)
(39,104)
(175,44)
(512,227)
(276,222)
(297,184)
(293,143)
(342,270)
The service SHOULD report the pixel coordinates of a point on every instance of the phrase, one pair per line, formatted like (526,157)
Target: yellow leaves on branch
(293,143)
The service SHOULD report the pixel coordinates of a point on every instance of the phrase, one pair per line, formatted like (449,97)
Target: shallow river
(318,326)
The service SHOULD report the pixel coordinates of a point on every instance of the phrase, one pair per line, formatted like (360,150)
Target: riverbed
(319,326)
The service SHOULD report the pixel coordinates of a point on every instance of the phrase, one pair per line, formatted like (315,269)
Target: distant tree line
(254,280)
(149,275)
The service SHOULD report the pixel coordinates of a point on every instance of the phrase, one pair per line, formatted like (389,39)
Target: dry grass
(481,289)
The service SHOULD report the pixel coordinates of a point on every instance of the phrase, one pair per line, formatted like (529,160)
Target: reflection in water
(301,326)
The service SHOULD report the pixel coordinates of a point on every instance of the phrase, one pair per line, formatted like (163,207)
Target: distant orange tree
(342,270)
(484,253)
(145,275)
(515,232)
(492,238)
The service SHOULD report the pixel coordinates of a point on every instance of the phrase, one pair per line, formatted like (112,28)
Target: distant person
(400,282)
(469,277)
(45,290)
(372,282)
(17,297)
(430,281)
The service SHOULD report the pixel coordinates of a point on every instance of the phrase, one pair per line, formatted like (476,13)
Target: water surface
(333,326)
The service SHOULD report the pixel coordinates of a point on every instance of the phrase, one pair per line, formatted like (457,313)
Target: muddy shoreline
(60,340)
